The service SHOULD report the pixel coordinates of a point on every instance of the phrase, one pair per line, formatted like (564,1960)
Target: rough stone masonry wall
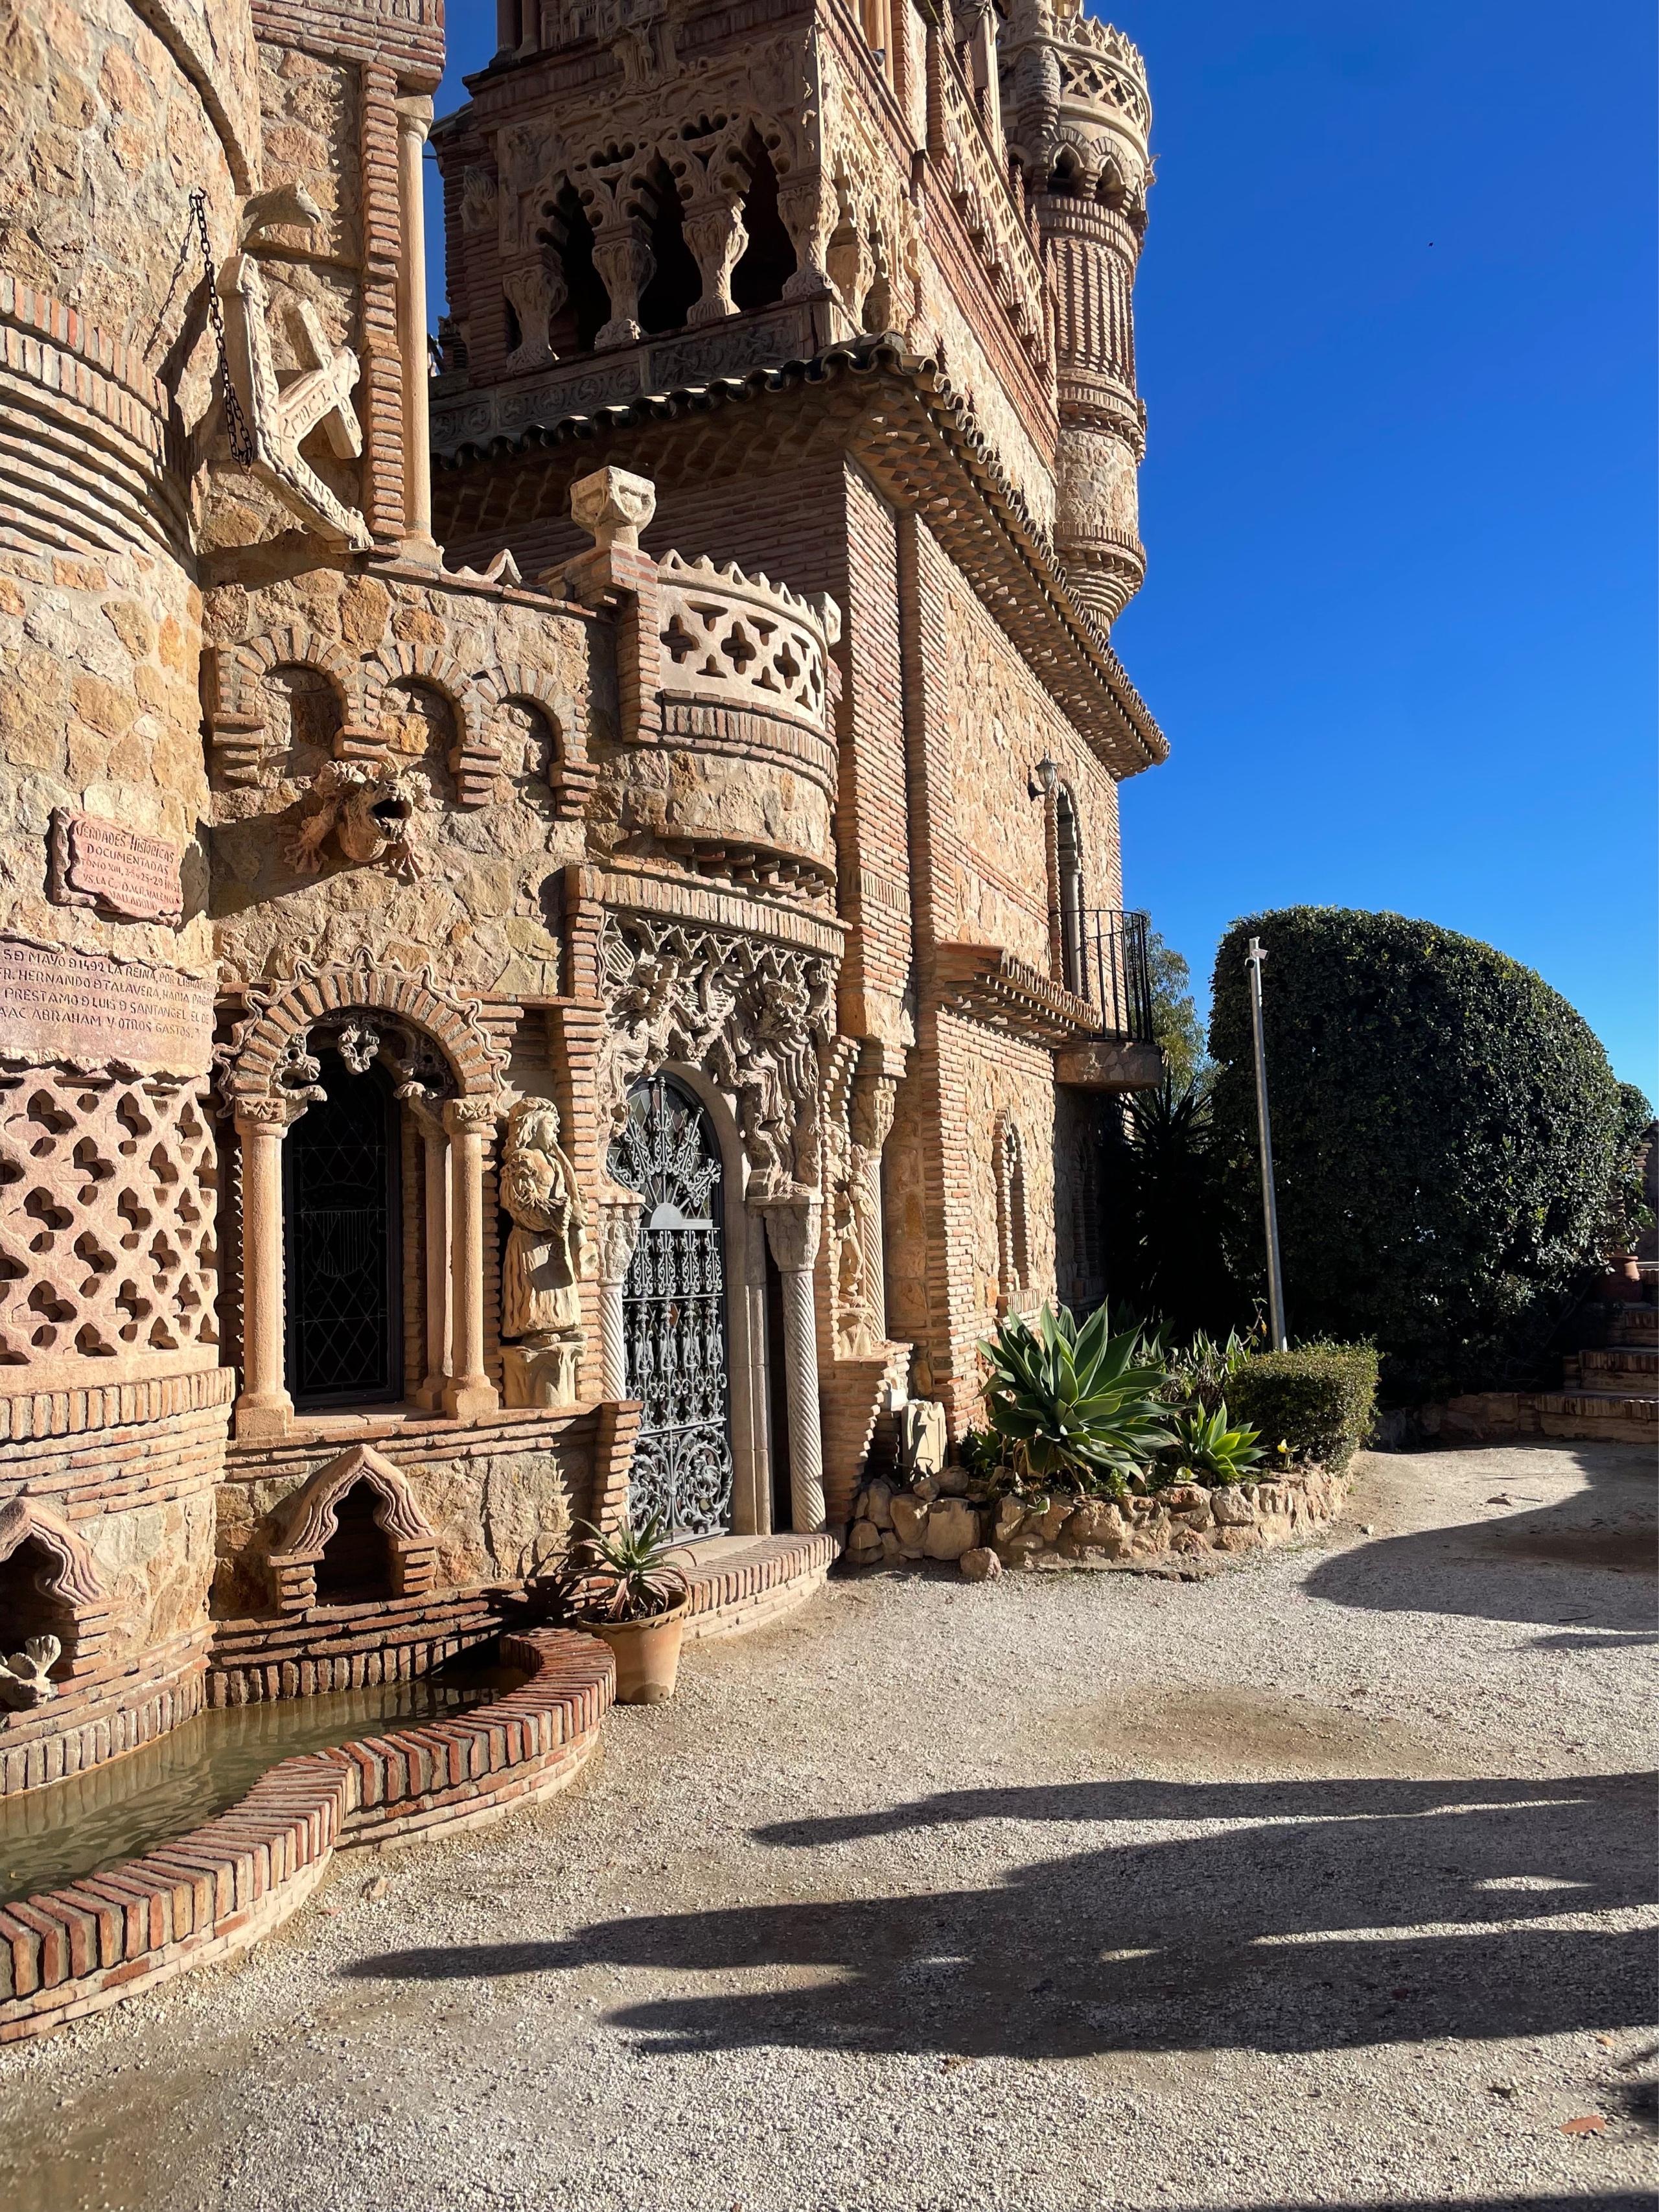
(113,1405)
(432,669)
(935,1520)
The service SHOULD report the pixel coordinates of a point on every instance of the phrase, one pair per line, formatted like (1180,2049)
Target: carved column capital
(794,1226)
(259,1117)
(470,1117)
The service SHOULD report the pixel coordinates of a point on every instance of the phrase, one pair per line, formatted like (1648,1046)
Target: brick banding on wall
(65,1953)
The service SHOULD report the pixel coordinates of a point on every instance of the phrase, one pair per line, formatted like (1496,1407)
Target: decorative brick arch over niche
(73,1604)
(398,663)
(310,1518)
(267,1054)
(240,673)
(514,683)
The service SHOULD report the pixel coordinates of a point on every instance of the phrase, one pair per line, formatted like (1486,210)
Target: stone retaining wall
(897,1528)
(215,1891)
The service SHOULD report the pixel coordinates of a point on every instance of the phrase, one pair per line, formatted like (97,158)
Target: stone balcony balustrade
(726,762)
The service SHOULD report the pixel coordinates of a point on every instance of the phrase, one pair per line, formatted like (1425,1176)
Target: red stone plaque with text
(93,1010)
(119,871)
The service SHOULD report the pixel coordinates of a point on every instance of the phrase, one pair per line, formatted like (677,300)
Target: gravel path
(1326,1881)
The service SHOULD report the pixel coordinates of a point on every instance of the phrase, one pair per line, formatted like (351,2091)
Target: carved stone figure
(373,810)
(541,1300)
(282,416)
(756,1016)
(26,1677)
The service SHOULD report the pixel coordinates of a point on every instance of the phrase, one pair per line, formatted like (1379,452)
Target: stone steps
(1630,1369)
(1589,1416)
(740,1582)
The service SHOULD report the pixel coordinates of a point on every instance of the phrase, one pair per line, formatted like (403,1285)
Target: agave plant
(1071,1400)
(1208,1449)
(1203,1368)
(629,1576)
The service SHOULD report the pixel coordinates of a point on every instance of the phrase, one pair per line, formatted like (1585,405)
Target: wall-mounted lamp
(1047,780)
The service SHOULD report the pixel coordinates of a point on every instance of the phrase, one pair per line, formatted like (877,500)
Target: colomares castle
(562,955)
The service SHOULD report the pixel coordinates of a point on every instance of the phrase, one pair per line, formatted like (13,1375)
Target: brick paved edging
(217,1891)
(753,1588)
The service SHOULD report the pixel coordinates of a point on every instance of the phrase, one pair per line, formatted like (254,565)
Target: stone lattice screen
(106,1217)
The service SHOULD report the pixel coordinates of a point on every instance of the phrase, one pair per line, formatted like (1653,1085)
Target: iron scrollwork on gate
(674,1312)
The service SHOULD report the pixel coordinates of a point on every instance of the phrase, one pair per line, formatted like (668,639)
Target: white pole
(1269,1204)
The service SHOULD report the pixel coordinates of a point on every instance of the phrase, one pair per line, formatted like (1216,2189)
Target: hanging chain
(241,438)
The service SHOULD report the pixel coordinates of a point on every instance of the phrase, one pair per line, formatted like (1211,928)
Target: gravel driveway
(1326,1881)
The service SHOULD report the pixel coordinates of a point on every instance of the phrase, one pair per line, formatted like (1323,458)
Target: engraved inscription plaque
(87,1008)
(119,871)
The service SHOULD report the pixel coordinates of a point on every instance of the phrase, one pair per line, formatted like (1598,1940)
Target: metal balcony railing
(1113,971)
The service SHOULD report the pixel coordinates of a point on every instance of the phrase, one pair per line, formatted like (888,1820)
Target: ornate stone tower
(1076,109)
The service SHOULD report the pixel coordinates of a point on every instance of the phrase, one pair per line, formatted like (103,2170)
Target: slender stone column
(792,1231)
(874,1097)
(413,121)
(434,1142)
(469,1391)
(619,1213)
(264,1407)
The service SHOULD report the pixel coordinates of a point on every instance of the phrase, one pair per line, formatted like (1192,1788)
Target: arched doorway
(674,1318)
(342,1242)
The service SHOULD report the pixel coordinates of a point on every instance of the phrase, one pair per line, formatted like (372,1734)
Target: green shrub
(1320,1400)
(1445,1135)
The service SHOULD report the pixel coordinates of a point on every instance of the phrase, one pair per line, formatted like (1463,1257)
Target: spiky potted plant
(625,1589)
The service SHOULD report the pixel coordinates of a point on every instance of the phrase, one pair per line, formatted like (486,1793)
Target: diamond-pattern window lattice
(106,1217)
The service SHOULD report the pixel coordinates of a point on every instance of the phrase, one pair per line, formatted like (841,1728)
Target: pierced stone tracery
(106,1216)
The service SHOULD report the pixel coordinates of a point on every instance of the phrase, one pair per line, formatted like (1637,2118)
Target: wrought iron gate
(674,1312)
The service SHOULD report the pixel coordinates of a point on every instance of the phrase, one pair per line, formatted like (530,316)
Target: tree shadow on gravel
(1330,1913)
(1606,1537)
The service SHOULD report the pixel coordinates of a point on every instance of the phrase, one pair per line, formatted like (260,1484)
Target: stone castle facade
(560,948)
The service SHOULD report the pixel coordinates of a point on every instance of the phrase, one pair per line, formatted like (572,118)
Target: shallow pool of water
(120,1810)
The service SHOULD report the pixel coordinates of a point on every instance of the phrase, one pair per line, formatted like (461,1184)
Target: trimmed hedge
(1446,1134)
(1320,1400)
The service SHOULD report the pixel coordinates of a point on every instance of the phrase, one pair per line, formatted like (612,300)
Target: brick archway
(271,1036)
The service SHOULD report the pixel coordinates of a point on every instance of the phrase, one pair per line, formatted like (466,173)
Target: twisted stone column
(792,1231)
(264,1407)
(618,1227)
(469,1390)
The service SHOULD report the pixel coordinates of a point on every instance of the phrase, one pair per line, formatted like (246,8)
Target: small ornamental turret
(1076,114)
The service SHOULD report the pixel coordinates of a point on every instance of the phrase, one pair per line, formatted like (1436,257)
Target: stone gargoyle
(26,1677)
(373,810)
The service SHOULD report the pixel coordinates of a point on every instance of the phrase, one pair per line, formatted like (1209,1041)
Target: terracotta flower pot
(647,1654)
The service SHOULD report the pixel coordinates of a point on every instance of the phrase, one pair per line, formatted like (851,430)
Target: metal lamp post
(1254,959)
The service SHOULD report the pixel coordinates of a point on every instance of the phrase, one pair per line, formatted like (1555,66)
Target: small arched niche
(356,1566)
(49,1586)
(352,1534)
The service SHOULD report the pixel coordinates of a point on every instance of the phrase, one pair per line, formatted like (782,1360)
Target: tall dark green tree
(1175,1024)
(1446,1131)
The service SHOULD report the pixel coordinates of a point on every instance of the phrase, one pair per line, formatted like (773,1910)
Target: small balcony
(1105,955)
(1098,1022)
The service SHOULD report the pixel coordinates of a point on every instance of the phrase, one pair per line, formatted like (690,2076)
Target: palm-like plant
(1071,1400)
(629,1576)
(1208,1449)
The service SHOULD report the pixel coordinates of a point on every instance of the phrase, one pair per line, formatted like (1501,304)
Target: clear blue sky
(1395,324)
